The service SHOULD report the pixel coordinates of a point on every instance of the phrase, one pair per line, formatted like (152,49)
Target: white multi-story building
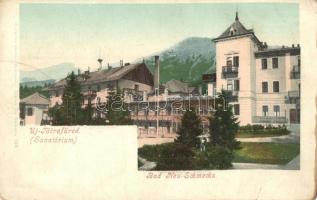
(264,81)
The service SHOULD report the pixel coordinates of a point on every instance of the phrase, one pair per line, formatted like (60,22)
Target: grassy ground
(268,153)
(262,134)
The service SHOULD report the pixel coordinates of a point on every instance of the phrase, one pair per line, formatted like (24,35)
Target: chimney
(157,73)
(293,45)
(100,63)
(298,45)
(78,71)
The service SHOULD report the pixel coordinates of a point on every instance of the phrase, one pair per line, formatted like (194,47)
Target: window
(229,62)
(29,111)
(136,87)
(264,87)
(265,110)
(236,85)
(276,86)
(264,63)
(276,110)
(236,108)
(236,61)
(229,85)
(274,63)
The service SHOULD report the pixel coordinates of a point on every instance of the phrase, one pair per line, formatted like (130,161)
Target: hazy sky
(54,33)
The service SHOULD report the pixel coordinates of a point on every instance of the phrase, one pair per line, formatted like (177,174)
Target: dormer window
(231,31)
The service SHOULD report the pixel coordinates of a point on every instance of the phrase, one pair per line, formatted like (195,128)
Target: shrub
(151,152)
(260,129)
(217,157)
(175,157)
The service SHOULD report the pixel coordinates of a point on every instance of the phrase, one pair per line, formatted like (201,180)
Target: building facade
(131,79)
(34,110)
(264,81)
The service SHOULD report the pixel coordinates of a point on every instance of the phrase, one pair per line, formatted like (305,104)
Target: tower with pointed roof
(264,81)
(235,49)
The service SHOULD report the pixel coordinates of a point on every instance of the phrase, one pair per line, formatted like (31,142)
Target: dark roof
(105,75)
(237,29)
(279,51)
(35,99)
(209,77)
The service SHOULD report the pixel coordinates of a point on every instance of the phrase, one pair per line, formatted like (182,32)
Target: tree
(117,111)
(70,111)
(223,125)
(189,130)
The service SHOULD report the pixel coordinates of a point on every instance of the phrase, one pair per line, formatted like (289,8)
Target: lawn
(268,153)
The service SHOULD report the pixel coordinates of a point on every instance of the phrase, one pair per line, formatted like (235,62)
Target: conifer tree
(70,111)
(223,125)
(189,130)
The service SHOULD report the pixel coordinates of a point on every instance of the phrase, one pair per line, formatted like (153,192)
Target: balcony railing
(295,72)
(233,96)
(292,97)
(90,93)
(269,119)
(229,71)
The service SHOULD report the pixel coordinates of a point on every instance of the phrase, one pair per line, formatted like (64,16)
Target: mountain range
(187,61)
(54,72)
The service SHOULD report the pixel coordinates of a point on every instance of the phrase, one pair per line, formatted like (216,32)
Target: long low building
(133,79)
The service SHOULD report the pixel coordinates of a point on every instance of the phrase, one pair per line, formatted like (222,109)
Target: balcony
(295,72)
(90,93)
(229,72)
(269,119)
(292,97)
(233,96)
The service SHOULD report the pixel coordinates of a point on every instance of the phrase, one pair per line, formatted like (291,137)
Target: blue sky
(78,33)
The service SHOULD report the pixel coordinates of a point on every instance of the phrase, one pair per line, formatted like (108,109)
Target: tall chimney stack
(100,63)
(157,73)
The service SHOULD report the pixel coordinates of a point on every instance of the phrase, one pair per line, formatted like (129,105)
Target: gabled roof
(102,75)
(176,86)
(35,99)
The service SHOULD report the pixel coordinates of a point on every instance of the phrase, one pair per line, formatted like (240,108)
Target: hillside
(187,60)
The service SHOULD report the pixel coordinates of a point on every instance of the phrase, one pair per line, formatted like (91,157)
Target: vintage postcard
(113,100)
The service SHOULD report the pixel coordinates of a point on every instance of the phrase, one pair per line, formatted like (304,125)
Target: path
(146,165)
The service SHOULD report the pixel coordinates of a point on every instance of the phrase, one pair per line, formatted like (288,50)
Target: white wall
(243,47)
(37,114)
